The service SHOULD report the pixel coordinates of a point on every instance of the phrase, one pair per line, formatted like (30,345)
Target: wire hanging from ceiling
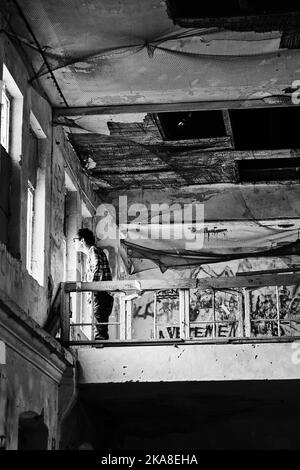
(42,53)
(151,46)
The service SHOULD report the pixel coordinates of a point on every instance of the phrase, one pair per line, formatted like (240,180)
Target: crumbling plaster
(223,201)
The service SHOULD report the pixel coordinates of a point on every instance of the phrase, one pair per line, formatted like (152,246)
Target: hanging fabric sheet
(215,246)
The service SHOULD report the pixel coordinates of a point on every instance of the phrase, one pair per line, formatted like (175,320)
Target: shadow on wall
(33,433)
(78,429)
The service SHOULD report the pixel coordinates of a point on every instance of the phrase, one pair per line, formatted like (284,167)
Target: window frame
(29,226)
(8,99)
(222,141)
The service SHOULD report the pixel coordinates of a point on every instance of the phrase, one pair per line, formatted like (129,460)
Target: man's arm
(96,268)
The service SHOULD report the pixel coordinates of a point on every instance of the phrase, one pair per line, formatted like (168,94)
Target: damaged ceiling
(135,154)
(131,155)
(94,58)
(146,57)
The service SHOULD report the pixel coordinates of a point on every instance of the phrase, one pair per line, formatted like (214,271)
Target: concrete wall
(35,362)
(31,375)
(55,159)
(189,362)
(15,280)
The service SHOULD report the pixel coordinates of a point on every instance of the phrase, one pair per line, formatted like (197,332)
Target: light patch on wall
(2,353)
(69,183)
(84,211)
(36,127)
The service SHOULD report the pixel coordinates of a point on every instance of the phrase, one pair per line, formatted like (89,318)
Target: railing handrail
(249,281)
(128,286)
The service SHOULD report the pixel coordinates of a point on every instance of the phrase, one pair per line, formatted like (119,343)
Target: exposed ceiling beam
(268,101)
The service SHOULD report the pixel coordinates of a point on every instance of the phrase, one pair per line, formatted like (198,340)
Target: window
(191,125)
(30,208)
(11,116)
(269,169)
(36,168)
(11,143)
(239,15)
(266,128)
(230,8)
(5,118)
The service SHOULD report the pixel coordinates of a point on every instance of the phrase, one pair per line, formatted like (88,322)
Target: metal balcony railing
(210,319)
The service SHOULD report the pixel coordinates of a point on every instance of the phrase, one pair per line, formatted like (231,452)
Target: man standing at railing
(98,269)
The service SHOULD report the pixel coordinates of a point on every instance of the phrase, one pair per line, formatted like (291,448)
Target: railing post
(128,318)
(182,313)
(187,312)
(247,313)
(92,316)
(278,311)
(214,312)
(123,316)
(241,313)
(128,314)
(65,315)
(154,314)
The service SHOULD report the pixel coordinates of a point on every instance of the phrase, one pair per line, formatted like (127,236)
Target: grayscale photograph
(149,228)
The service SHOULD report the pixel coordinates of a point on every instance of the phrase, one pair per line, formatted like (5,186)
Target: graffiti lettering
(204,331)
(169,332)
(142,311)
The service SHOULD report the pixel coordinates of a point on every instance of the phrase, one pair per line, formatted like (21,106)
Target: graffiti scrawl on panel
(213,315)
(275,311)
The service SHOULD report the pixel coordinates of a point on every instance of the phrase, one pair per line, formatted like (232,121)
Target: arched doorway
(33,433)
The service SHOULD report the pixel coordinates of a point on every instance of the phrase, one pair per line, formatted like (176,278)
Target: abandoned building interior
(170,129)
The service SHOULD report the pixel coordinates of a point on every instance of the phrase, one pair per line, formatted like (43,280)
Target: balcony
(230,328)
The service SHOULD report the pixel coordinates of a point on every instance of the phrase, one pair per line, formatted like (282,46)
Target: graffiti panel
(275,311)
(143,316)
(289,310)
(214,315)
(165,323)
(201,314)
(167,314)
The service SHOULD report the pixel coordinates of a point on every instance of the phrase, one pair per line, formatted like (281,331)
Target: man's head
(86,239)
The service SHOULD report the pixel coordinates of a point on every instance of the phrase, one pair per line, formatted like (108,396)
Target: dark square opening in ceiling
(268,169)
(228,8)
(266,128)
(191,125)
